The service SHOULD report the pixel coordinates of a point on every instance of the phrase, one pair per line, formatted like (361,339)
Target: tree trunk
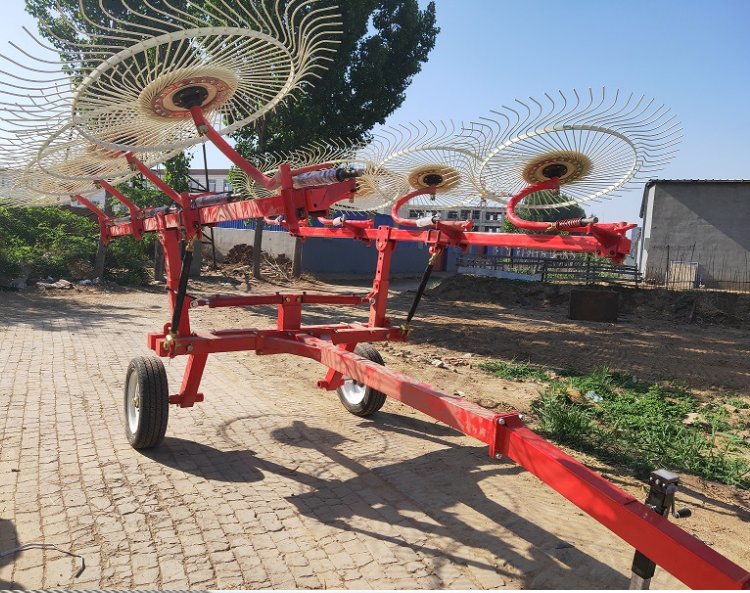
(297,261)
(101,248)
(257,244)
(261,130)
(158,262)
(101,254)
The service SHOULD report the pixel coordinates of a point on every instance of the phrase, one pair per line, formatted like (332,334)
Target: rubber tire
(153,392)
(373,399)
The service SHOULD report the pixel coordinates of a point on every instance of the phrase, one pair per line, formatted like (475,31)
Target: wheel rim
(353,392)
(133,405)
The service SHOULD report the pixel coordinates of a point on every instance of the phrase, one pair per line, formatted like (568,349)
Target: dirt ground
(689,342)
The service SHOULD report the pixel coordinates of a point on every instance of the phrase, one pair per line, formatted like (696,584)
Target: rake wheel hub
(176,98)
(568,166)
(437,177)
(433,179)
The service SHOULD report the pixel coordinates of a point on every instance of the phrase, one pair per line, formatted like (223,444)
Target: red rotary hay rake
(185,78)
(358,374)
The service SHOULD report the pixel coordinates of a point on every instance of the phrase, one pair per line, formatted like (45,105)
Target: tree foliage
(549,214)
(384,44)
(177,172)
(54,241)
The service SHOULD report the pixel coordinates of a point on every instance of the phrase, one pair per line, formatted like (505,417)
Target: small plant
(738,403)
(515,371)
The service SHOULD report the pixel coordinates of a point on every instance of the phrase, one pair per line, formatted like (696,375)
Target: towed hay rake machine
(191,77)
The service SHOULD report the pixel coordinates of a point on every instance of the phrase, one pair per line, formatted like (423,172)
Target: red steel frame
(684,556)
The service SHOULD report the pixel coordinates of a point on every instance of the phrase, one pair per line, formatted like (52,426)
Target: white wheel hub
(133,406)
(353,392)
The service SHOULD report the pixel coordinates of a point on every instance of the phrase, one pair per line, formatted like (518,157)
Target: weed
(738,403)
(515,371)
(638,425)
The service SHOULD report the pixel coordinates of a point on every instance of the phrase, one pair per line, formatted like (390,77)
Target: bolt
(373,300)
(189,348)
(520,417)
(501,421)
(498,456)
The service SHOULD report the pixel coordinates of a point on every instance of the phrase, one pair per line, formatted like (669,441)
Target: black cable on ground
(35,546)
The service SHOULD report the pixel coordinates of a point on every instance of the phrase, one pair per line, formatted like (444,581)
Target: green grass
(515,371)
(638,425)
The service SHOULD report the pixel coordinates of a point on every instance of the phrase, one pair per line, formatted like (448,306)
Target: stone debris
(61,284)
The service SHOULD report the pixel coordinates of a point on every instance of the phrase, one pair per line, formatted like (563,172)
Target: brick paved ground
(268,483)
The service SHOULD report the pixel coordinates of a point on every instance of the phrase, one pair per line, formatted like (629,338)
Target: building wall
(218,180)
(350,257)
(703,222)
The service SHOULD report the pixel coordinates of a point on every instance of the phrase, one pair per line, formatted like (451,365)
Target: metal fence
(578,270)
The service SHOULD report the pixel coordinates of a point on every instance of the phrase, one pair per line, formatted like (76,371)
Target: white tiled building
(486,218)
(218,180)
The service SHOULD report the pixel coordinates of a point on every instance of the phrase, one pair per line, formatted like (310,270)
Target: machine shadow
(432,484)
(8,541)
(396,494)
(206,462)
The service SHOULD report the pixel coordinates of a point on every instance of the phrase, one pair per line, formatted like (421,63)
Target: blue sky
(692,55)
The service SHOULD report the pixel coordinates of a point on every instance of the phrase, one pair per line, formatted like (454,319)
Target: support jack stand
(661,499)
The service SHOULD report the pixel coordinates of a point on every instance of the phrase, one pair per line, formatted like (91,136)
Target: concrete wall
(703,222)
(329,256)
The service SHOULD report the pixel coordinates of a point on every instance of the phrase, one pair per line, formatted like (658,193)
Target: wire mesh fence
(579,270)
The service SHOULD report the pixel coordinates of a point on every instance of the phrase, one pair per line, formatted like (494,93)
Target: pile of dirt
(239,255)
(703,307)
(239,260)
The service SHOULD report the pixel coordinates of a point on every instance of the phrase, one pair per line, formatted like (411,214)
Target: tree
(549,214)
(177,172)
(384,44)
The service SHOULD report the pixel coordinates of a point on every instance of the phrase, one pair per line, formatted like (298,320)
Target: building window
(227,185)
(212,185)
(475,214)
(464,214)
(452,215)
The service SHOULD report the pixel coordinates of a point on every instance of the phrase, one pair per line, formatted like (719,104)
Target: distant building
(218,180)
(487,217)
(696,233)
